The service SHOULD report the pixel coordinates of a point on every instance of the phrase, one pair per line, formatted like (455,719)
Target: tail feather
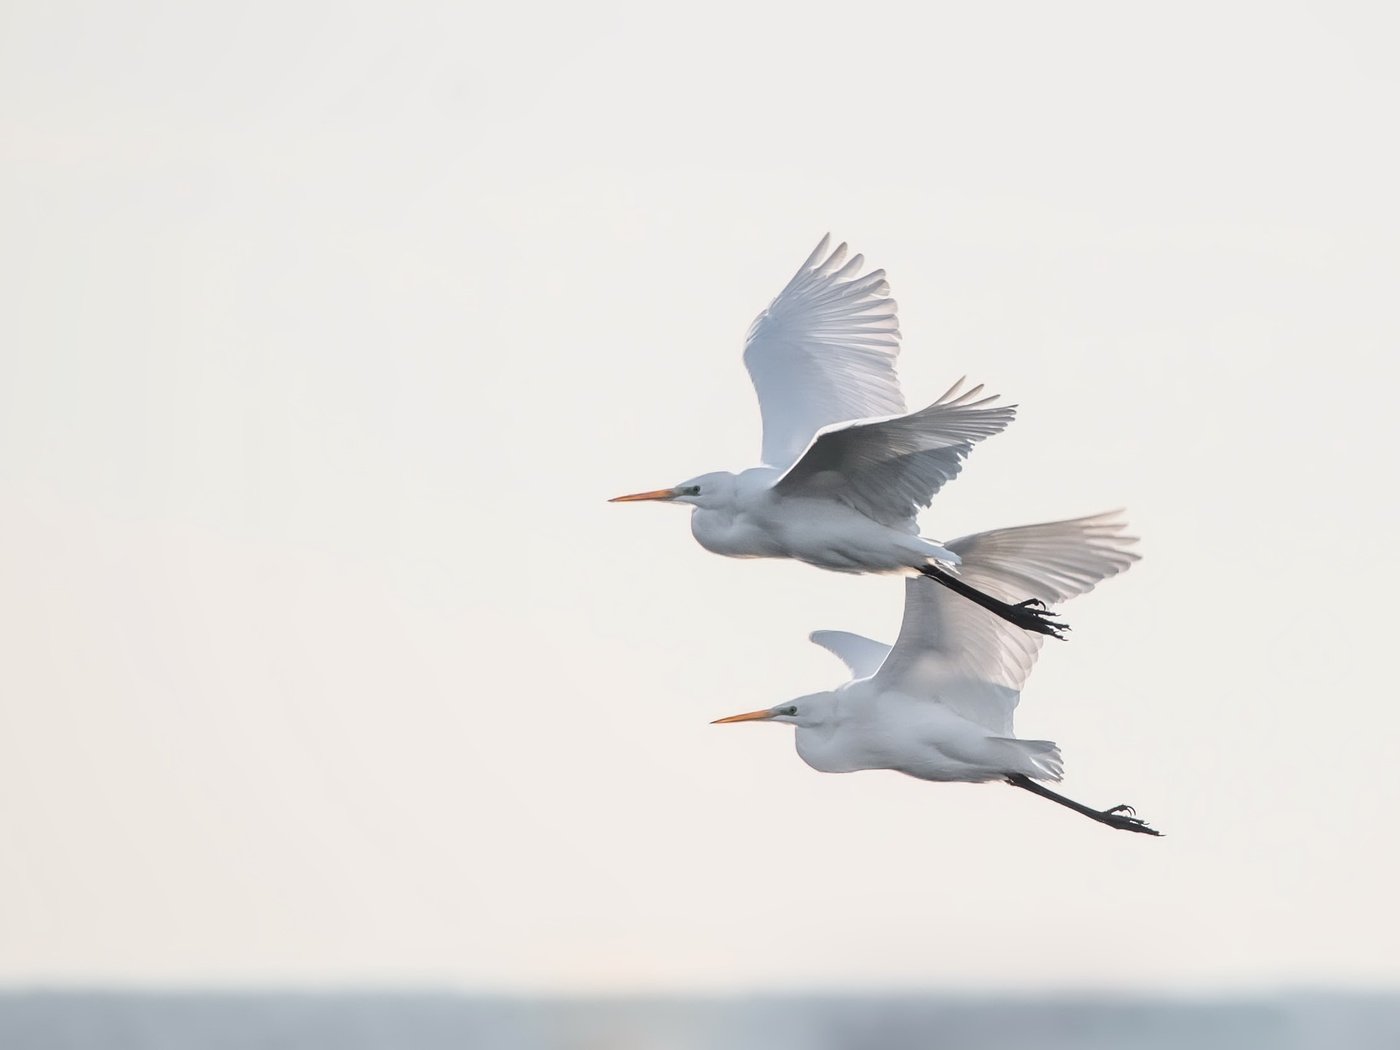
(1039,758)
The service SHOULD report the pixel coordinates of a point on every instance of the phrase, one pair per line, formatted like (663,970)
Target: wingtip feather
(817,252)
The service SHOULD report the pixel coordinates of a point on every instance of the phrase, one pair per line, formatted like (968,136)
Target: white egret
(845,469)
(938,704)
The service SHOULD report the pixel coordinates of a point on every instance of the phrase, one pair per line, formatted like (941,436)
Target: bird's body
(938,704)
(845,468)
(762,522)
(873,728)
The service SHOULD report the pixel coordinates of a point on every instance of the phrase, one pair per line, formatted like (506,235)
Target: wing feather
(823,352)
(970,660)
(890,468)
(861,654)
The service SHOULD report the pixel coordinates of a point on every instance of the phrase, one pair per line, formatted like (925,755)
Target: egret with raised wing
(846,469)
(938,704)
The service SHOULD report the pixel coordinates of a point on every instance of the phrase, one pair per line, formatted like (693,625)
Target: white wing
(970,660)
(889,468)
(861,654)
(823,352)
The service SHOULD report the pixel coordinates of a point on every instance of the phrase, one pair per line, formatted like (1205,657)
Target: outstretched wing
(967,658)
(890,468)
(861,654)
(823,352)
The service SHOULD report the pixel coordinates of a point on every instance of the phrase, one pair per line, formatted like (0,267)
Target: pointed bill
(653,494)
(749,716)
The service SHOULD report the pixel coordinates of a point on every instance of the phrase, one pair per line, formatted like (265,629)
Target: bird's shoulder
(756,482)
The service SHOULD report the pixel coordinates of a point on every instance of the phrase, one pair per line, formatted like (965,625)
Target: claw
(1114,820)
(1029,617)
(1122,809)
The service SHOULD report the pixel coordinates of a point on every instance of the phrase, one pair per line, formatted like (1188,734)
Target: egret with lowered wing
(846,468)
(938,704)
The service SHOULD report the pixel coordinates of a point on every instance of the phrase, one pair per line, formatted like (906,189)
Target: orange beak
(750,716)
(638,496)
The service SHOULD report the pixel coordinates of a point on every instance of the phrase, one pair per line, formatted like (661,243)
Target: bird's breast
(825,754)
(818,532)
(735,535)
(845,750)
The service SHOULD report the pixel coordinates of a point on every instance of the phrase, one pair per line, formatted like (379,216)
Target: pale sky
(328,329)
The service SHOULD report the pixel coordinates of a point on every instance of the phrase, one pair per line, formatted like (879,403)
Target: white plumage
(823,352)
(845,470)
(939,703)
(977,666)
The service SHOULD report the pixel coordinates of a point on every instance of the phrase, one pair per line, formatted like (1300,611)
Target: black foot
(1031,615)
(1115,818)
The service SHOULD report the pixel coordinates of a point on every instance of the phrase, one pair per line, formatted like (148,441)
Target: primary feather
(823,352)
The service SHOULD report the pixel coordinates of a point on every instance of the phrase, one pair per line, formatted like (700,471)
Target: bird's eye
(694,490)
(791,710)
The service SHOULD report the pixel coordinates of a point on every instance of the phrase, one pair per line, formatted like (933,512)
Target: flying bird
(938,704)
(845,467)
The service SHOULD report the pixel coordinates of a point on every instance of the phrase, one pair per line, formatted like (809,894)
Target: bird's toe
(1115,818)
(1037,618)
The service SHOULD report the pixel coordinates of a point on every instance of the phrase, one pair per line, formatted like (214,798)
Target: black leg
(1114,817)
(1029,615)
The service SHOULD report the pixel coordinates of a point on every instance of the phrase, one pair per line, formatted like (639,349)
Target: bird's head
(708,490)
(806,712)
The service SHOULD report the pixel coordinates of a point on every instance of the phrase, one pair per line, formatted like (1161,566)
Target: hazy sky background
(328,329)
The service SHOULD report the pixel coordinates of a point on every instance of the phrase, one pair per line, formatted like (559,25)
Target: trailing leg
(1029,615)
(1120,817)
